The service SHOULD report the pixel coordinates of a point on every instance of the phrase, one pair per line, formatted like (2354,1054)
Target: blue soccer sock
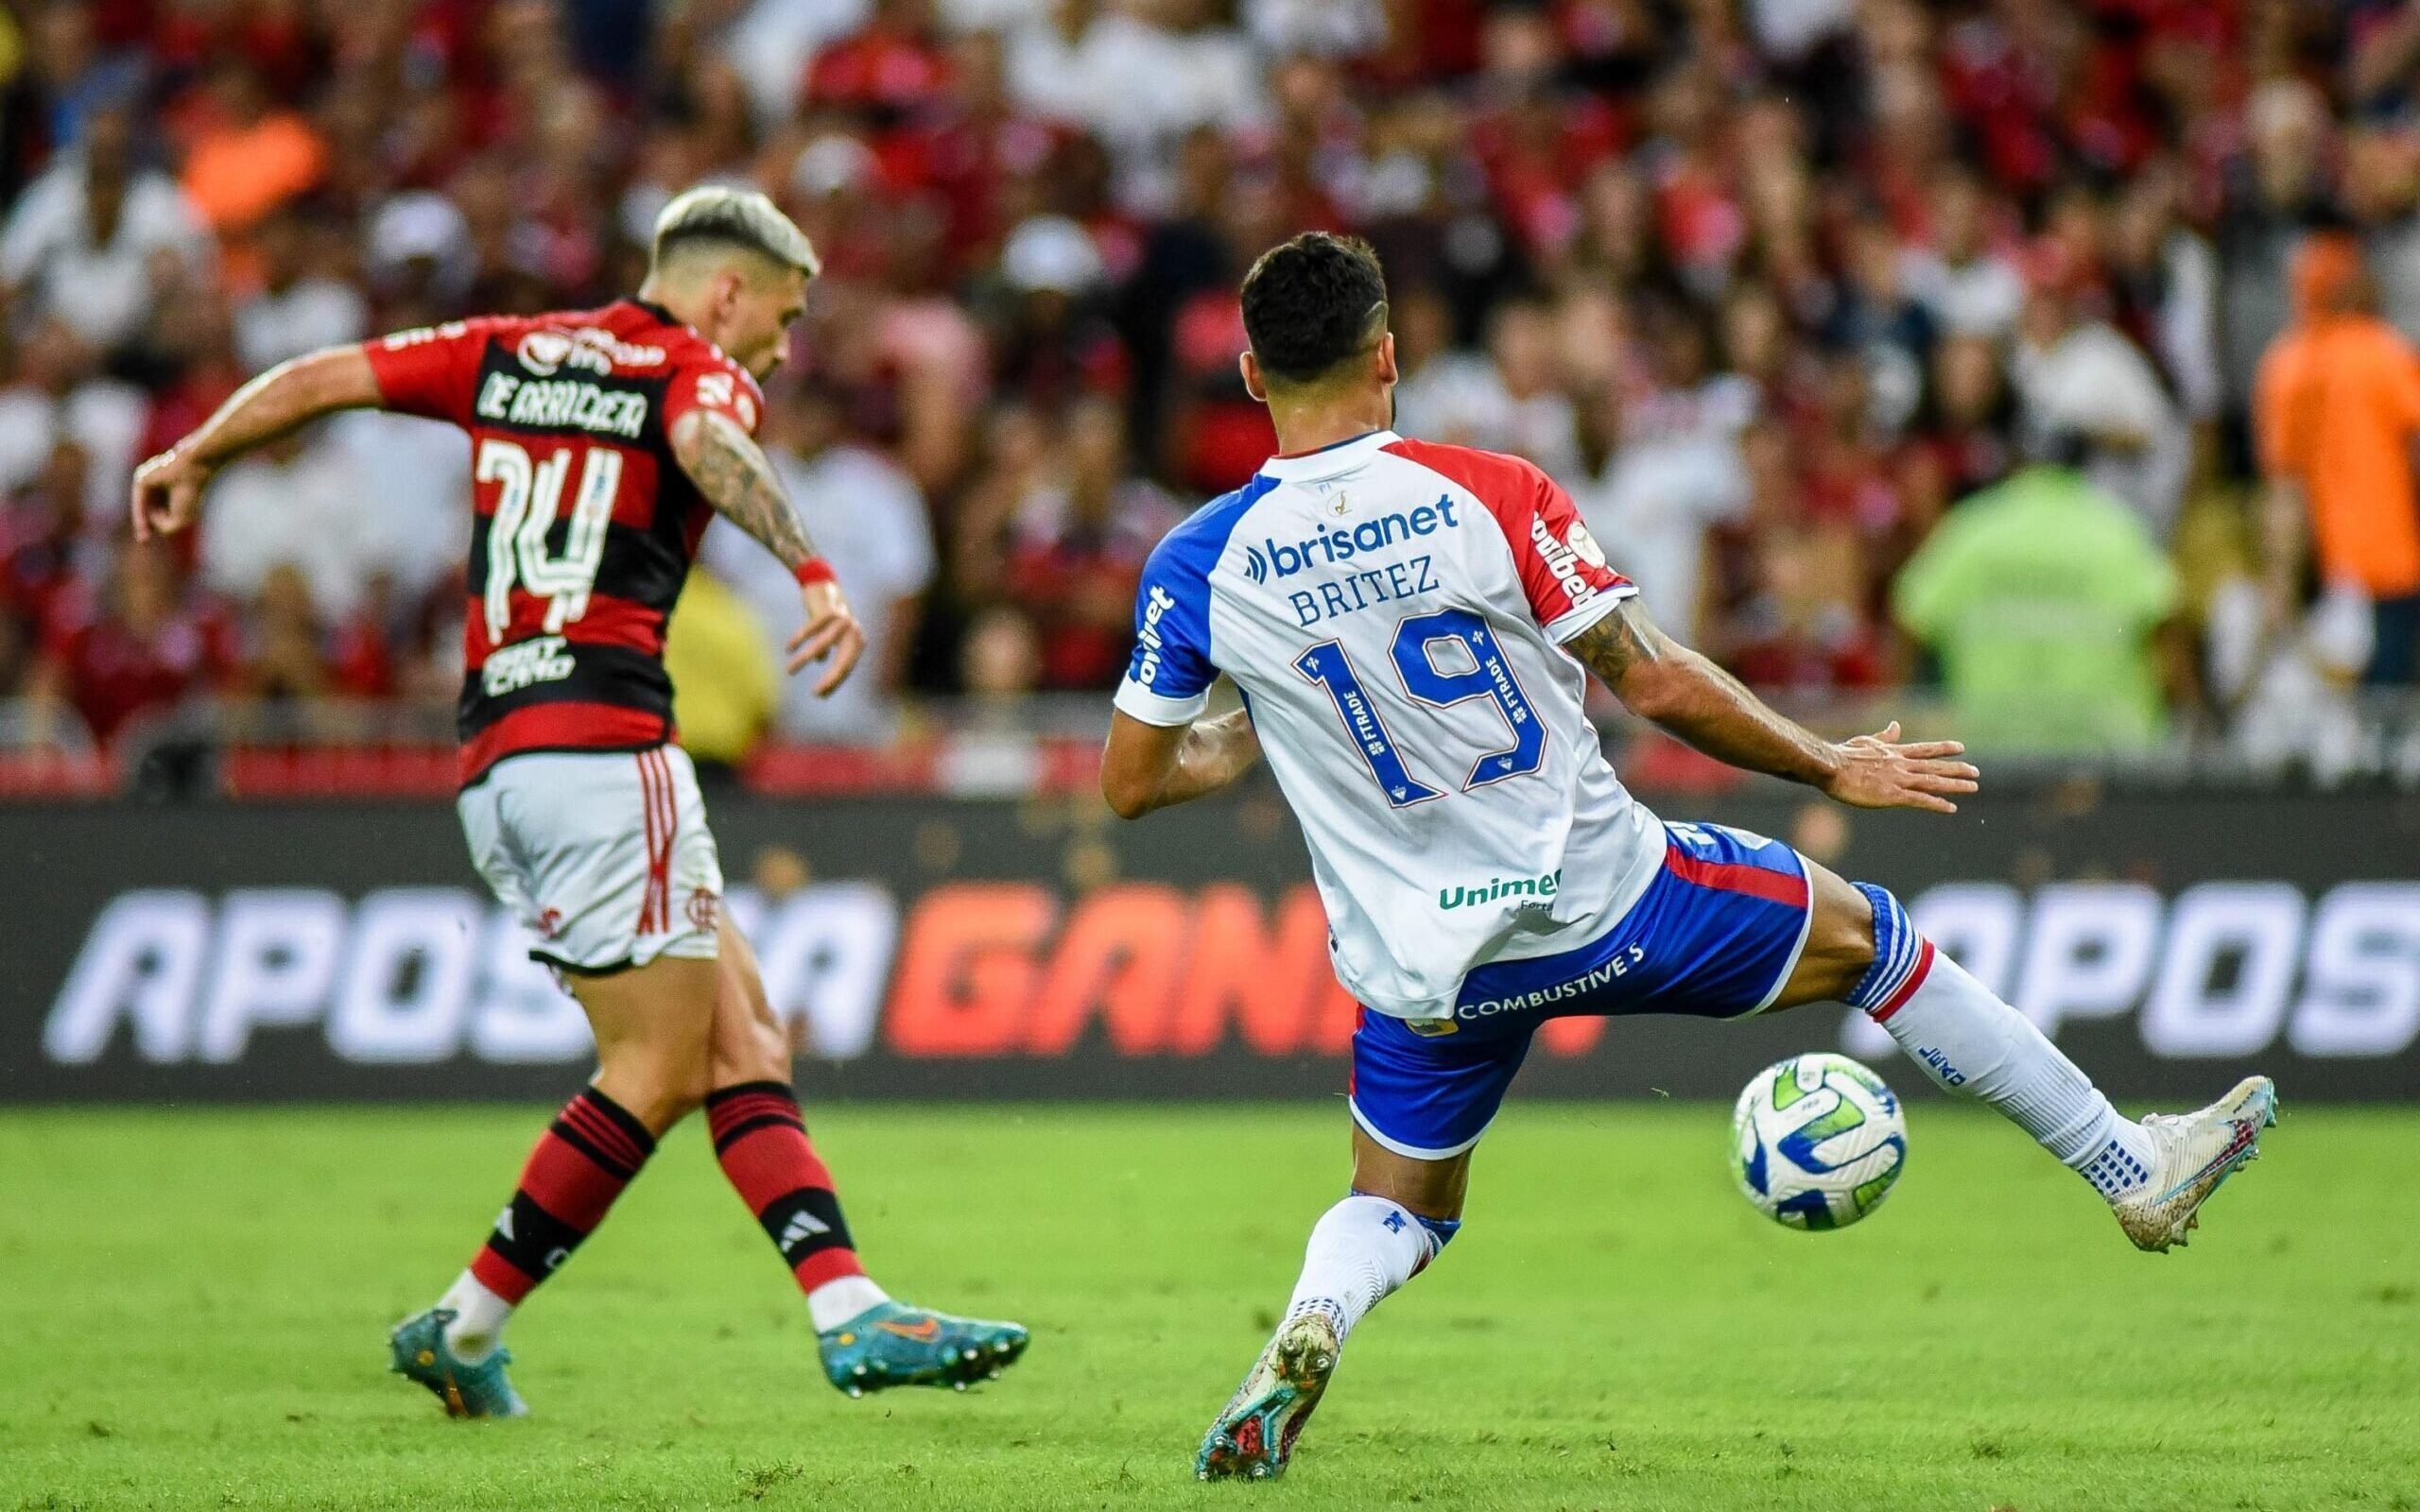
(1360,1251)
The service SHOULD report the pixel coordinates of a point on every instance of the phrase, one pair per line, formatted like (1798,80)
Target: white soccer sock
(841,1299)
(479,1317)
(1360,1250)
(1970,1042)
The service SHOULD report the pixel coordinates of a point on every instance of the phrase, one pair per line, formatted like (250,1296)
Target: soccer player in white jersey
(1410,625)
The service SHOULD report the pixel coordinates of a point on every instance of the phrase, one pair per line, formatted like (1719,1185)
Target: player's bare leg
(1400,1214)
(652,1024)
(2156,1173)
(868,1340)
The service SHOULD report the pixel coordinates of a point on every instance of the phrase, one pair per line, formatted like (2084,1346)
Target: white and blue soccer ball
(1817,1142)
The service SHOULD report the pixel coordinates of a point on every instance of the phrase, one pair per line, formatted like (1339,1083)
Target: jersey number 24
(1417,643)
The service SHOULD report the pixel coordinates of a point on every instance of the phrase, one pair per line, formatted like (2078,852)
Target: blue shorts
(1717,934)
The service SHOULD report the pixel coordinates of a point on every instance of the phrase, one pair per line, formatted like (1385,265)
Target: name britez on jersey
(1365,588)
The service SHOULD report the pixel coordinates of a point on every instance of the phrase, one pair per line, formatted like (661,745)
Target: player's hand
(167,494)
(1879,772)
(831,631)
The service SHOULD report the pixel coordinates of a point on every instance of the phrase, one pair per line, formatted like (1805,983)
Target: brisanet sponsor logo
(1330,548)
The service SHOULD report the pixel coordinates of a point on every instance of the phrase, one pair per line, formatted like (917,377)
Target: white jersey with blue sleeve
(1394,613)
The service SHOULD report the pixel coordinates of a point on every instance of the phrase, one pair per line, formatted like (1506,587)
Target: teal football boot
(419,1353)
(893,1344)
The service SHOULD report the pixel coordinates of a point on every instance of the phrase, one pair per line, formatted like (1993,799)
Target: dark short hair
(1312,303)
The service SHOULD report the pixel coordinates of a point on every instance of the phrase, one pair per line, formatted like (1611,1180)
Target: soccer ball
(1817,1142)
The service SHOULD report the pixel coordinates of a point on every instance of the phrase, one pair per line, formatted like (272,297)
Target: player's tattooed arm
(1151,766)
(732,471)
(1659,680)
(736,477)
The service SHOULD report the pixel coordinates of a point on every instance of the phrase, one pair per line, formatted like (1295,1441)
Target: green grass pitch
(194,1305)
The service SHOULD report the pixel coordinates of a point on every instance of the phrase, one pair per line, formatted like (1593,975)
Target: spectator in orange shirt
(248,159)
(2337,410)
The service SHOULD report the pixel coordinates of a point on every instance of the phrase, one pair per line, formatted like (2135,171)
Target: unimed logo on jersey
(420,975)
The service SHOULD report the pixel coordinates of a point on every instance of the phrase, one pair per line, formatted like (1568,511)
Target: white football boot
(1254,1438)
(2192,1154)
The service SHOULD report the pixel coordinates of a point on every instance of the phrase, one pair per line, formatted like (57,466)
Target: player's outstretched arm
(734,474)
(168,488)
(1151,766)
(1659,680)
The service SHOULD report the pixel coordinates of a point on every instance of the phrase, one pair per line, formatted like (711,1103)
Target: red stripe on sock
(827,1266)
(1907,988)
(743,1098)
(610,1138)
(724,1117)
(501,1277)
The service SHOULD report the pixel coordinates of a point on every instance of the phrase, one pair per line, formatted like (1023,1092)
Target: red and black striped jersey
(586,525)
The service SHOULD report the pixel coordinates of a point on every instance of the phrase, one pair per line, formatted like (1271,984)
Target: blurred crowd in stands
(1883,342)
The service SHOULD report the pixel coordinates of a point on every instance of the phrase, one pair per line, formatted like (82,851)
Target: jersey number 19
(1418,642)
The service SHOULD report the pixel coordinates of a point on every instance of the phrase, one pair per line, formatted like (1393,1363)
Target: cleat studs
(957,1385)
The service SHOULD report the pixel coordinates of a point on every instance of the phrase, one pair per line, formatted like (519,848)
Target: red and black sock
(580,1165)
(760,1137)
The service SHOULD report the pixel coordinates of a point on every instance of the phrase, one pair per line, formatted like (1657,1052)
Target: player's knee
(757,1050)
(661,1083)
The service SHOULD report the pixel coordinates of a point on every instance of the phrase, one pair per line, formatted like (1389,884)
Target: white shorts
(604,854)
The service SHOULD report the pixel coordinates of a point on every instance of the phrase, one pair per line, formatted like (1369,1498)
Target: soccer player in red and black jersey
(603,443)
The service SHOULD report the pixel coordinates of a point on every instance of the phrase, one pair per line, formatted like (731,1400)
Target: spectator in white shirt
(295,309)
(2090,395)
(1527,412)
(1670,468)
(411,508)
(1135,83)
(1970,289)
(294,503)
(1447,390)
(1516,405)
(58,396)
(82,242)
(866,516)
(771,45)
